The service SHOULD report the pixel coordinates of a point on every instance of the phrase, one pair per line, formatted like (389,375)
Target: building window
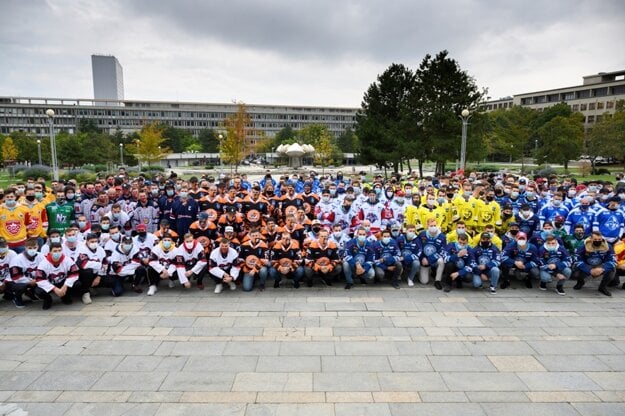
(600,92)
(609,104)
(582,107)
(591,106)
(600,106)
(569,96)
(583,94)
(575,107)
(590,119)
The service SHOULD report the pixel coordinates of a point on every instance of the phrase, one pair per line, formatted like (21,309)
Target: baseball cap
(229,229)
(141,228)
(203,216)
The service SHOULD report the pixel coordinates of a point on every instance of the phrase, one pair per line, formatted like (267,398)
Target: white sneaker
(86,298)
(152,290)
(410,283)
(233,286)
(218,288)
(172,284)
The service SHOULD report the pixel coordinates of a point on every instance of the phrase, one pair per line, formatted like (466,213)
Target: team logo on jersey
(60,218)
(484,260)
(371,217)
(611,224)
(460,263)
(594,261)
(13,227)
(429,249)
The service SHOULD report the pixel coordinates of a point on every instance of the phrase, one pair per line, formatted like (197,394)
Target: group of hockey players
(70,240)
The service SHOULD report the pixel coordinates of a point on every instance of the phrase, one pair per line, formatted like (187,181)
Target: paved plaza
(373,350)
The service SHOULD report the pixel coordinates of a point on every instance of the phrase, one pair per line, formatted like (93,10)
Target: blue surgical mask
(362,238)
(410,235)
(82,224)
(56,256)
(170,192)
(71,239)
(126,247)
(31,252)
(166,244)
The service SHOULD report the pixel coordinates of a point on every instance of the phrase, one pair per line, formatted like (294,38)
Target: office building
(108,78)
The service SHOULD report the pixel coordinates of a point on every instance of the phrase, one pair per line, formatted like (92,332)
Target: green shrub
(152,168)
(209,167)
(602,171)
(35,172)
(546,171)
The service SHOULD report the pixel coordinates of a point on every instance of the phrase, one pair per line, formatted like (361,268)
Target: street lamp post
(55,167)
(465,116)
(221,164)
(121,153)
(39,150)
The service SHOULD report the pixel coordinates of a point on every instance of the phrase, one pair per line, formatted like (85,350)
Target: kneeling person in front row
(224,265)
(596,259)
(57,274)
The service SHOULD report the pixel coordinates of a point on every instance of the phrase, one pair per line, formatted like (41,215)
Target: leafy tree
(9,150)
(70,150)
(348,142)
(607,137)
(150,147)
(510,131)
(175,138)
(26,144)
(209,141)
(383,121)
(323,150)
(194,148)
(561,139)
(443,91)
(87,125)
(236,144)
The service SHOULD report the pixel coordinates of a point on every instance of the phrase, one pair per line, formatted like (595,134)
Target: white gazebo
(295,152)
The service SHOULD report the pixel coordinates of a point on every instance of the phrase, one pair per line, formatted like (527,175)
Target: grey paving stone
(421,381)
(410,363)
(286,364)
(436,409)
(84,363)
(113,347)
(273,382)
(365,409)
(197,381)
(139,363)
(24,330)
(558,381)
(307,348)
(599,409)
(499,348)
(196,331)
(345,382)
(497,396)
(355,363)
(198,348)
(574,347)
(129,381)
(472,381)
(113,409)
(101,321)
(578,362)
(461,363)
(64,380)
(414,348)
(16,347)
(45,409)
(365,348)
(614,362)
(448,348)
(131,321)
(176,363)
(251,348)
(17,380)
(175,321)
(225,364)
(341,322)
(214,322)
(312,409)
(175,409)
(237,331)
(534,409)
(608,380)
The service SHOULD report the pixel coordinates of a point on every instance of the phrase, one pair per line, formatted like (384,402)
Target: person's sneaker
(219,287)
(349,286)
(171,284)
(363,281)
(438,285)
(296,285)
(232,285)
(67,300)
(543,285)
(447,289)
(309,283)
(137,289)
(395,284)
(200,286)
(152,290)
(86,298)
(505,284)
(327,282)
(410,283)
(580,284)
(19,303)
(261,287)
(493,290)
(560,290)
(458,283)
(47,304)
(31,295)
(276,284)
(605,291)
(528,283)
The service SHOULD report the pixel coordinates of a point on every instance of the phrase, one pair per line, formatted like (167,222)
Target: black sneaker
(31,295)
(19,303)
(605,291)
(363,281)
(261,287)
(458,283)
(276,284)
(580,284)
(493,290)
(349,286)
(47,303)
(560,290)
(327,282)
(505,284)
(67,300)
(447,289)
(438,285)
(395,284)
(296,285)
(543,285)
(528,283)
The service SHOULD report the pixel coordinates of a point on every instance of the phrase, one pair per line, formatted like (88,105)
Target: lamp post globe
(464,115)
(465,112)
(50,112)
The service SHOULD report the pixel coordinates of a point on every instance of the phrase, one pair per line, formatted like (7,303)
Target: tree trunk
(420,162)
(566,166)
(409,167)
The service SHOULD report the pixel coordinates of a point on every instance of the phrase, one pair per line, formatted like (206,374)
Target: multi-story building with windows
(108,78)
(596,96)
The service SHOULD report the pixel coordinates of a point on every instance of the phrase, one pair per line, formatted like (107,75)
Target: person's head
(71,236)
(579,231)
(432,226)
(92,241)
(255,235)
(463,240)
(521,239)
(56,252)
(229,232)
(202,219)
(224,245)
(485,240)
(585,203)
(551,243)
(167,241)
(411,232)
(189,241)
(548,227)
(395,230)
(461,227)
(126,245)
(31,247)
(316,226)
(322,236)
(115,233)
(596,238)
(54,236)
(286,237)
(386,236)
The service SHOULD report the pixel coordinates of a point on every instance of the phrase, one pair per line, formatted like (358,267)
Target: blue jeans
(493,276)
(350,271)
(296,275)
(546,276)
(248,279)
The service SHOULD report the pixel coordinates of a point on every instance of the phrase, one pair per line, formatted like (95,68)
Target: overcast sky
(321,52)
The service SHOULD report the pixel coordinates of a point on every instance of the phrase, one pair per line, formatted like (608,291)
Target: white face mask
(433,229)
(93,246)
(188,245)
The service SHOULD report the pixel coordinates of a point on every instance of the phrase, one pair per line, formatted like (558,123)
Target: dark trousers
(75,290)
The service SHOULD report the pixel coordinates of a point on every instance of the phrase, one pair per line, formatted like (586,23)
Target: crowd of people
(70,240)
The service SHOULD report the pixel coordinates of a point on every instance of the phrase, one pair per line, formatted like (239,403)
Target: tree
(511,131)
(384,120)
(150,146)
(175,138)
(561,140)
(443,91)
(9,150)
(348,142)
(26,144)
(607,137)
(237,143)
(70,150)
(209,141)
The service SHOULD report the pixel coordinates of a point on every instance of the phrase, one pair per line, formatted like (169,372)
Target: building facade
(108,78)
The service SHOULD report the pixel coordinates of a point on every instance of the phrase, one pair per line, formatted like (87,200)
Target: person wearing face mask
(322,260)
(555,262)
(412,211)
(461,229)
(144,242)
(432,257)
(6,257)
(22,268)
(510,234)
(582,214)
(554,208)
(489,211)
(610,221)
(430,209)
(183,212)
(371,210)
(70,243)
(124,265)
(410,247)
(14,221)
(326,208)
(118,217)
(467,206)
(60,213)
(387,259)
(92,264)
(487,263)
(358,259)
(596,259)
(396,208)
(285,258)
(526,218)
(145,212)
(254,254)
(458,263)
(57,274)
(519,259)
(191,263)
(224,265)
(494,238)
(166,201)
(162,264)
(37,215)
